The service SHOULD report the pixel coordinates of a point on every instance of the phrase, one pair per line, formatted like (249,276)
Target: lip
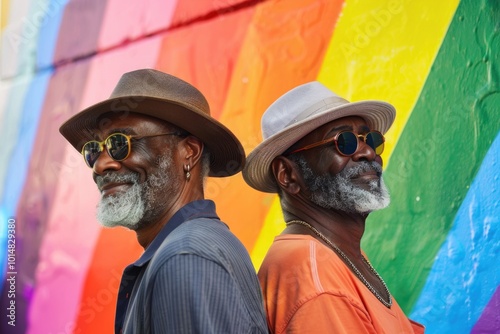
(112,188)
(370,175)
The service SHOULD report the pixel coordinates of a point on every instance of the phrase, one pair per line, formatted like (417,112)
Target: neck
(150,229)
(146,235)
(343,229)
(341,232)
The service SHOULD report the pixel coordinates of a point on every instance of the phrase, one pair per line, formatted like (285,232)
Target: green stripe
(440,151)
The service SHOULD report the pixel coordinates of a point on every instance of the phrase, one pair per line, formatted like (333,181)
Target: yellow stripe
(4,13)
(273,225)
(380,50)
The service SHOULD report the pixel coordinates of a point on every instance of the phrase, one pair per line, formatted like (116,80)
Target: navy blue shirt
(195,277)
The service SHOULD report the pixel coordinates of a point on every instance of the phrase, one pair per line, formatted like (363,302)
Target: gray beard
(338,192)
(134,207)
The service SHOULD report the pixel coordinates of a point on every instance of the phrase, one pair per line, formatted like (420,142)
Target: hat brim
(257,172)
(227,156)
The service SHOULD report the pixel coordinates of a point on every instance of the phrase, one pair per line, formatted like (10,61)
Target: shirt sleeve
(328,313)
(193,294)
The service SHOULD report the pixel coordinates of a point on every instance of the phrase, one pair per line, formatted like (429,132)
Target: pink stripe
(126,21)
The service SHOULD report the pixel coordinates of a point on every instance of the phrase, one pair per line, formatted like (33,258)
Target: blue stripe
(47,38)
(17,163)
(466,271)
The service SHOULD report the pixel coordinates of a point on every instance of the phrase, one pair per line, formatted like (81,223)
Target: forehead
(354,123)
(109,122)
(351,123)
(330,129)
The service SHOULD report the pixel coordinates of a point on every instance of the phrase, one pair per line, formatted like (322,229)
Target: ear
(193,147)
(285,175)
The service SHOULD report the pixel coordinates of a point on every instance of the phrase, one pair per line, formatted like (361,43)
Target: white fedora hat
(299,112)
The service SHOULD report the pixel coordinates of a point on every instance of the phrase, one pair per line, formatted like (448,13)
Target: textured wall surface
(438,62)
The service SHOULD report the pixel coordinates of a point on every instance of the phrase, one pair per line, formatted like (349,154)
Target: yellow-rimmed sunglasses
(118,146)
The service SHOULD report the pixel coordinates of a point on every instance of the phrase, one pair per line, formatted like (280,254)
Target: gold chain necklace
(350,263)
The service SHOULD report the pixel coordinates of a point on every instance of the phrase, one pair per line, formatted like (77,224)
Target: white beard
(340,193)
(130,208)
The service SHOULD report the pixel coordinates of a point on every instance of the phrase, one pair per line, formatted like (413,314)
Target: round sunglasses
(346,142)
(118,146)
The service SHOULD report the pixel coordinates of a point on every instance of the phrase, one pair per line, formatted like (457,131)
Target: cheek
(332,163)
(379,160)
(142,163)
(338,164)
(147,156)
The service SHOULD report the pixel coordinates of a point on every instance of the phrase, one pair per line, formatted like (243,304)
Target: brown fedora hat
(161,95)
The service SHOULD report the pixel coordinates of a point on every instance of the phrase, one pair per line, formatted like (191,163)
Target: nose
(364,152)
(105,163)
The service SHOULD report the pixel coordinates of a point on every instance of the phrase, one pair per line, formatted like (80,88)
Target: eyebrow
(337,129)
(125,131)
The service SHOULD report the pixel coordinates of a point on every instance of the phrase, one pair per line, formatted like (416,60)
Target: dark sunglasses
(118,146)
(346,142)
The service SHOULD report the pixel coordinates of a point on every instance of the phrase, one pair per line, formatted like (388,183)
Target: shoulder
(298,252)
(206,238)
(302,265)
(201,234)
(300,278)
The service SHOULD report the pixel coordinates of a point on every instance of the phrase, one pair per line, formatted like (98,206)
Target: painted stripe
(16,37)
(78,38)
(49,30)
(23,127)
(489,322)
(9,127)
(438,155)
(273,226)
(4,14)
(459,285)
(143,19)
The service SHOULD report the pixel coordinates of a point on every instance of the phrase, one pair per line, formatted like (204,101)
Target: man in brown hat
(150,146)
(321,154)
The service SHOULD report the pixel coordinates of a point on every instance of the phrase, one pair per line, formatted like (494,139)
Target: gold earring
(188,174)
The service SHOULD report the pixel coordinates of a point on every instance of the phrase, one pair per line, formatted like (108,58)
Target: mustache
(362,167)
(102,180)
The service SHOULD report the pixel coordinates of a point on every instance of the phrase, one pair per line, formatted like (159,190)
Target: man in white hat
(150,146)
(321,154)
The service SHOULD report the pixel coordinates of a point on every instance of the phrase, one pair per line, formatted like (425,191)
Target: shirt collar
(192,210)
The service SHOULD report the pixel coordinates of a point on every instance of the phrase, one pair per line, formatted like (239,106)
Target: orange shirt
(308,289)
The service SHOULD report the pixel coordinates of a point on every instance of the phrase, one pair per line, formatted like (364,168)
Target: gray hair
(205,162)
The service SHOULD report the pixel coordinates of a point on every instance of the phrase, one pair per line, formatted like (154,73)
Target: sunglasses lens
(347,143)
(91,152)
(376,141)
(118,146)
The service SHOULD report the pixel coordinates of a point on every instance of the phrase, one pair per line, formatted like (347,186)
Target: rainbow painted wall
(438,62)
